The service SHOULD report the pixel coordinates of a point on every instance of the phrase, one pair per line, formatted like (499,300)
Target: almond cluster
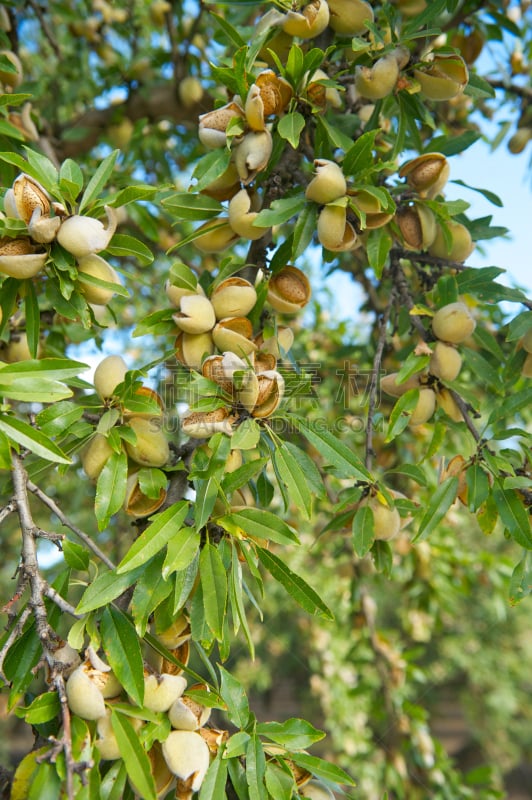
(451,325)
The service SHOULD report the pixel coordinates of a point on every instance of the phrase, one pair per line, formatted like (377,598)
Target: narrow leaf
(513,515)
(440,503)
(122,647)
(98,180)
(363,527)
(259,524)
(105,588)
(32,439)
(333,450)
(181,550)
(134,756)
(213,786)
(294,733)
(294,584)
(322,769)
(291,474)
(234,696)
(214,585)
(256,769)
(110,488)
(165,525)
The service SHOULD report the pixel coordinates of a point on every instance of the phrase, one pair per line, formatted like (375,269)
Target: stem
(52,505)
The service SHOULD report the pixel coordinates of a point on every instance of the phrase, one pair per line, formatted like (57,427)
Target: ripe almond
(453,323)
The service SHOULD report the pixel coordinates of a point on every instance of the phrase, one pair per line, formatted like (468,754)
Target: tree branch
(150,103)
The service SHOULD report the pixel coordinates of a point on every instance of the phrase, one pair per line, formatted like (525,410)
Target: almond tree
(172,174)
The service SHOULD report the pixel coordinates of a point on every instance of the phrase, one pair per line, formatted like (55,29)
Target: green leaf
(33,317)
(290,127)
(360,156)
(182,276)
(478,87)
(214,584)
(513,515)
(44,708)
(124,245)
(105,588)
(483,369)
(322,769)
(452,145)
(234,696)
(256,769)
(152,481)
(59,417)
(184,582)
(206,496)
(114,782)
(165,525)
(290,473)
(232,34)
(400,414)
(122,648)
(478,487)
(491,196)
(519,326)
(132,194)
(32,439)
(15,99)
(503,410)
(521,580)
(279,782)
(378,246)
(294,733)
(35,390)
(188,205)
(428,15)
(246,436)
(304,229)
(363,527)
(150,591)
(280,211)
(43,168)
(333,450)
(71,175)
(75,555)
(213,786)
(259,524)
(181,550)
(134,756)
(294,584)
(211,167)
(98,180)
(336,137)
(110,489)
(440,503)
(237,601)
(25,166)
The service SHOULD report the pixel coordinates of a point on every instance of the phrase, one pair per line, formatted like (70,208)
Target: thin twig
(60,602)
(66,739)
(7,510)
(46,29)
(52,505)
